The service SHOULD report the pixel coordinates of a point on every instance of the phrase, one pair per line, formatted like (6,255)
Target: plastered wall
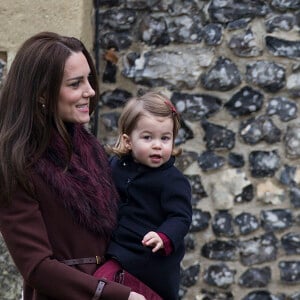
(20,19)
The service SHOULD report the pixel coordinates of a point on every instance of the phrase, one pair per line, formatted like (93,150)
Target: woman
(58,203)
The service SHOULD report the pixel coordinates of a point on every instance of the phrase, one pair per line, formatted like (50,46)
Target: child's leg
(108,270)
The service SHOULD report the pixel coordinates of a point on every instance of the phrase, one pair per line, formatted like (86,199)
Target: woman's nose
(89,92)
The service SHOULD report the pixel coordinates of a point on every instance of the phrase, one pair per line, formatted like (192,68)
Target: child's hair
(154,103)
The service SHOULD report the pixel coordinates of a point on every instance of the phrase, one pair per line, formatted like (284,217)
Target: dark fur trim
(86,188)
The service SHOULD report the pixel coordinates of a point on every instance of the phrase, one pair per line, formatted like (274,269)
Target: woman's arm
(26,237)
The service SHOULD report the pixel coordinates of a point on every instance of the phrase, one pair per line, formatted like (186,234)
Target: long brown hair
(155,103)
(25,123)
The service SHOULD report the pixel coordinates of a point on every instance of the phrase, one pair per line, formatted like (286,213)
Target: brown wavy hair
(154,103)
(36,73)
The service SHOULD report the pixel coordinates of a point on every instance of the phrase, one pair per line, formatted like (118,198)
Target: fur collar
(86,188)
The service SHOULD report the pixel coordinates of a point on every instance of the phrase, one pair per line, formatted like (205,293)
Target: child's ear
(126,141)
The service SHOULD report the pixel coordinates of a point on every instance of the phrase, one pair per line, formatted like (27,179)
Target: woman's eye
(75,84)
(90,78)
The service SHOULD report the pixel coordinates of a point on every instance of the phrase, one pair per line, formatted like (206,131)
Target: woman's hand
(136,296)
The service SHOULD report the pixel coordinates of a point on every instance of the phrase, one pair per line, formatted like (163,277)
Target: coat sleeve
(25,235)
(176,203)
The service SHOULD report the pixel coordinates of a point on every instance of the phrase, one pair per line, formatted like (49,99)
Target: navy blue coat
(152,199)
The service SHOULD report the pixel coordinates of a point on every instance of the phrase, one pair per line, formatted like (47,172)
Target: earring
(42,102)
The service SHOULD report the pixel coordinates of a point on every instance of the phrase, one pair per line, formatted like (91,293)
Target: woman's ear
(126,141)
(42,101)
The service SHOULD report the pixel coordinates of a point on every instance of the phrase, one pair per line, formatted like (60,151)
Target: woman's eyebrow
(74,78)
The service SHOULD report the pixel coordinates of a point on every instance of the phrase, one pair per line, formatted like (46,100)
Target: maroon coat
(62,220)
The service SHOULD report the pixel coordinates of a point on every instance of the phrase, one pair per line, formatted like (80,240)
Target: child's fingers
(156,248)
(148,236)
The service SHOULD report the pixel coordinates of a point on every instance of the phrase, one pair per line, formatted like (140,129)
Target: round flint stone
(291,243)
(290,271)
(245,102)
(220,250)
(263,295)
(208,160)
(247,223)
(222,224)
(189,276)
(219,275)
(294,194)
(264,163)
(259,249)
(218,137)
(276,219)
(200,220)
(262,128)
(236,160)
(255,277)
(224,76)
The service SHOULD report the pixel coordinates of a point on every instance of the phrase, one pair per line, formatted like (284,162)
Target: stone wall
(232,70)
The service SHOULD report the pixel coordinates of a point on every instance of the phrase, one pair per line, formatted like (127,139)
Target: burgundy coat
(62,220)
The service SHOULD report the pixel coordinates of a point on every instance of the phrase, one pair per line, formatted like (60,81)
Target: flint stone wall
(232,70)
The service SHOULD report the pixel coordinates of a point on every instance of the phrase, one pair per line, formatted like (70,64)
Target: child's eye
(165,138)
(146,137)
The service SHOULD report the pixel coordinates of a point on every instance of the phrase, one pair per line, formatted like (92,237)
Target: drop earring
(42,102)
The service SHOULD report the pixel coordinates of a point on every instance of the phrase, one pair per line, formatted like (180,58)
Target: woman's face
(75,90)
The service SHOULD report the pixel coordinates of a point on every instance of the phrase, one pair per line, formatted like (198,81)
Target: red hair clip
(171,106)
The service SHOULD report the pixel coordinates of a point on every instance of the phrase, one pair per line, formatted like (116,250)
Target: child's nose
(157,144)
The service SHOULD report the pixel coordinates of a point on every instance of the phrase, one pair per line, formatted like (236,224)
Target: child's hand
(152,239)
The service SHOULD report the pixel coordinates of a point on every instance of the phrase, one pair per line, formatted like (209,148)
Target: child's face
(151,141)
